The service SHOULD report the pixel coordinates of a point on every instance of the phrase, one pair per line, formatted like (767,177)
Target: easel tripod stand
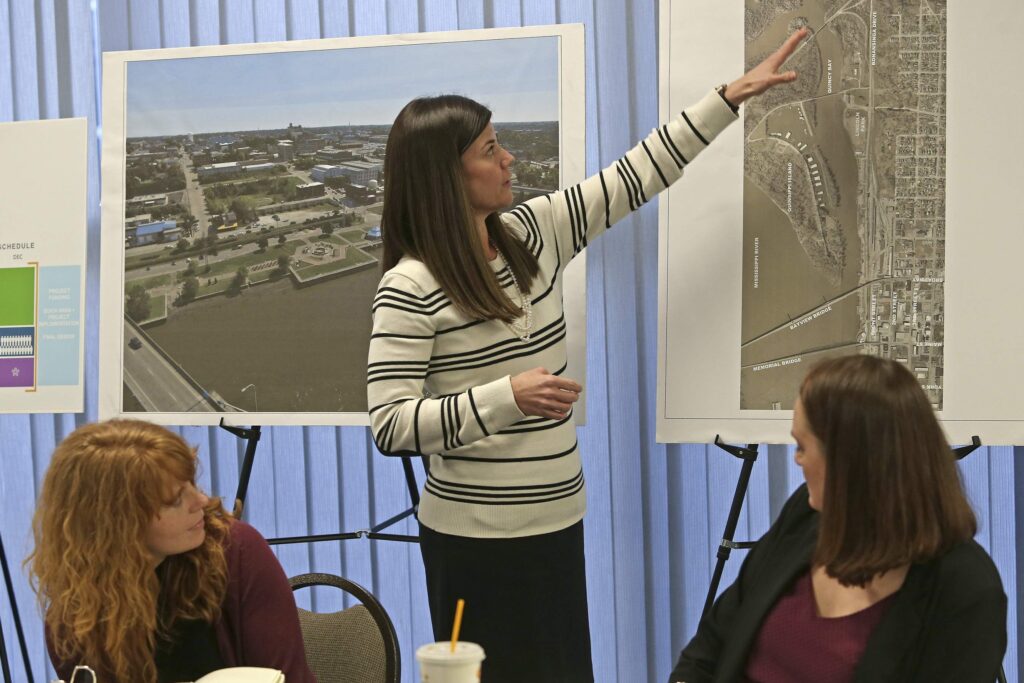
(251,435)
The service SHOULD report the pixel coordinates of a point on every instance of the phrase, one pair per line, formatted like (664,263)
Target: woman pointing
(467,358)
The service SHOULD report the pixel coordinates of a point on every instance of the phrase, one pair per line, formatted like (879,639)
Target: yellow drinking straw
(458,622)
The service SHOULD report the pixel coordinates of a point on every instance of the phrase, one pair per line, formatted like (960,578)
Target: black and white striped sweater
(439,383)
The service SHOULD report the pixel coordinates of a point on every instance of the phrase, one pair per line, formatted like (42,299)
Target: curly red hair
(105,605)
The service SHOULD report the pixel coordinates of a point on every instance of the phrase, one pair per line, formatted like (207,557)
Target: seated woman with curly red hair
(146,579)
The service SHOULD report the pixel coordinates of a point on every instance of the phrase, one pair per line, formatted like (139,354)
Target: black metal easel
(4,662)
(251,435)
(749,456)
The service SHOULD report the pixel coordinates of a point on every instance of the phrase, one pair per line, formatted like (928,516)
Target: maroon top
(795,645)
(259,623)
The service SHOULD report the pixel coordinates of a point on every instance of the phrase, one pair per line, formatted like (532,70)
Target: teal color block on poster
(60,325)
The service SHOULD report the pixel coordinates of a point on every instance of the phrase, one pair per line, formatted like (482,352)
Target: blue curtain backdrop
(656,511)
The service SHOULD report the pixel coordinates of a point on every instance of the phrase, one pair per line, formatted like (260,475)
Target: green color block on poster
(17,296)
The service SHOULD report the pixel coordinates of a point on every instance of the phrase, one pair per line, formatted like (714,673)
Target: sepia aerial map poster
(243,189)
(844,193)
(870,207)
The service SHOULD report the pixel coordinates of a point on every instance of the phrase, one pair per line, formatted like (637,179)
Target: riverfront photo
(253,189)
(844,194)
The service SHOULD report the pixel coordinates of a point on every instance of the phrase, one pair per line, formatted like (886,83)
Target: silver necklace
(520,329)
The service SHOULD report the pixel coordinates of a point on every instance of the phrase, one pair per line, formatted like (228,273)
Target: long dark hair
(893,493)
(427,214)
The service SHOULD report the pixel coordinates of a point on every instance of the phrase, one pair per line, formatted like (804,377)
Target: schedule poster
(42,265)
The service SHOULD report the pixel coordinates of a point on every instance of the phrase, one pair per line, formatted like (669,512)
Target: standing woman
(143,577)
(466,363)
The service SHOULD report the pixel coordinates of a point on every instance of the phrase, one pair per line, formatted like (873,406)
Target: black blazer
(947,622)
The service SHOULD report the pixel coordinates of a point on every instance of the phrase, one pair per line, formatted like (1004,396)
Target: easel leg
(725,546)
(252,437)
(3,658)
(17,625)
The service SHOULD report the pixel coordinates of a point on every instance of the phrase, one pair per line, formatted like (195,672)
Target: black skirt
(526,602)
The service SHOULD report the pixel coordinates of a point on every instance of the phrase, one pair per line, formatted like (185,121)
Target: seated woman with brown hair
(870,573)
(146,579)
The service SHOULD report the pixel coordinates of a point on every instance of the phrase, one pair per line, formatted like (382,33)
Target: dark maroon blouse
(795,645)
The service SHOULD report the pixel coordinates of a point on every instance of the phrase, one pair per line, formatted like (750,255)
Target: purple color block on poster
(16,372)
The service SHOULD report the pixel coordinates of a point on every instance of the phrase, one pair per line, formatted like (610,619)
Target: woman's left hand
(766,74)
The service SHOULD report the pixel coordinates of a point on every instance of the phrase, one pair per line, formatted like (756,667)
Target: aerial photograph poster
(243,188)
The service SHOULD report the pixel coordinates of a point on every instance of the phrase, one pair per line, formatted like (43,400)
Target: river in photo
(783,285)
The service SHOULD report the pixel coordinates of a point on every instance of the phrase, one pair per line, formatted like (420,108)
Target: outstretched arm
(580,213)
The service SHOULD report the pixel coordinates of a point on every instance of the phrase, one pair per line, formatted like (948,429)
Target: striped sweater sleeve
(402,419)
(582,212)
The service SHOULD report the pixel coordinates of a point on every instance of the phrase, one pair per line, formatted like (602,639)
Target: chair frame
(392,659)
